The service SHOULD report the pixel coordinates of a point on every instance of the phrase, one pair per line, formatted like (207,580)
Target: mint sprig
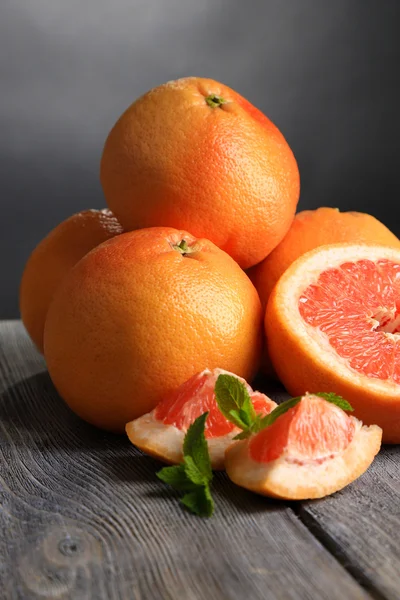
(235,403)
(288,404)
(194,475)
(335,399)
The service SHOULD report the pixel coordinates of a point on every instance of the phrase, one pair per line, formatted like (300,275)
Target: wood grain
(83,516)
(361,525)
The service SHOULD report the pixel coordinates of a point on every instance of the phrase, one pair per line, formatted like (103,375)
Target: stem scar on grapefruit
(194,154)
(333,323)
(139,315)
(53,257)
(160,433)
(312,450)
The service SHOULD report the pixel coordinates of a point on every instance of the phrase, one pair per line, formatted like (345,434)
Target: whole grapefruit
(313,228)
(54,256)
(194,154)
(141,314)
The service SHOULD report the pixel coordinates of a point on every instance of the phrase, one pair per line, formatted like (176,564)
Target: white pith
(166,441)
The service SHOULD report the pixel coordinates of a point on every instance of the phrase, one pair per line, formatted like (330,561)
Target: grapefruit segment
(161,432)
(313,430)
(311,451)
(333,323)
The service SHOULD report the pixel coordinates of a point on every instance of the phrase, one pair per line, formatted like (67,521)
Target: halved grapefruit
(312,450)
(333,324)
(160,433)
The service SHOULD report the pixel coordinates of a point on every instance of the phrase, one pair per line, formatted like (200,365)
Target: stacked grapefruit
(138,311)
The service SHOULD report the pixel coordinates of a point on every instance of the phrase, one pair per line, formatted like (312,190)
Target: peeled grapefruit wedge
(160,433)
(333,324)
(310,451)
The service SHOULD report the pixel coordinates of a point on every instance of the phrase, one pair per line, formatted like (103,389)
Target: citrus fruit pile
(200,268)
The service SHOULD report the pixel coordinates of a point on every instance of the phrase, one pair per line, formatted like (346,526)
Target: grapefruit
(333,324)
(139,315)
(160,433)
(313,228)
(55,255)
(312,450)
(194,154)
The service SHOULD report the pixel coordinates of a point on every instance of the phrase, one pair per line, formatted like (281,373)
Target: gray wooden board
(83,516)
(361,525)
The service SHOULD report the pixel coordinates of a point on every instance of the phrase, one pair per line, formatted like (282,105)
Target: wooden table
(83,516)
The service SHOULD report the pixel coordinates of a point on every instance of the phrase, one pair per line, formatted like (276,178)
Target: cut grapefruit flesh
(313,430)
(161,432)
(311,451)
(333,324)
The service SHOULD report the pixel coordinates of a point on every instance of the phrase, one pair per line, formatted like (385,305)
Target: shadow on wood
(36,415)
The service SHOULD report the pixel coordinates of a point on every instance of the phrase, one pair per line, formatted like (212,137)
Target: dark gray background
(327,73)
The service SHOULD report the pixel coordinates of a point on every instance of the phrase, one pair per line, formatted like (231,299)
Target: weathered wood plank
(82,515)
(361,525)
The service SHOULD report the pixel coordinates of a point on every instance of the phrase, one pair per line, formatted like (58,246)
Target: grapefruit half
(333,325)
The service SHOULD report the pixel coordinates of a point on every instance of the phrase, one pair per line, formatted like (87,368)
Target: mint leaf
(235,403)
(277,412)
(195,446)
(245,417)
(195,474)
(199,502)
(231,394)
(335,399)
(235,418)
(247,407)
(176,477)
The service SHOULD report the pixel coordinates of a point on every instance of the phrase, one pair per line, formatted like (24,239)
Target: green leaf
(236,419)
(199,502)
(176,477)
(257,424)
(248,408)
(193,473)
(335,399)
(245,417)
(195,446)
(278,411)
(207,502)
(232,395)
